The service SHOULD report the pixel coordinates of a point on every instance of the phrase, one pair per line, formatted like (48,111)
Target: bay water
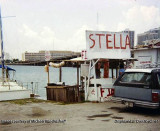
(28,74)
(37,74)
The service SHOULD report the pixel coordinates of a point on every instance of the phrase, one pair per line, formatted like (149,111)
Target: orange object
(46,68)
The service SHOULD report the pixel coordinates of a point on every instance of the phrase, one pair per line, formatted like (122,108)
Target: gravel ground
(82,116)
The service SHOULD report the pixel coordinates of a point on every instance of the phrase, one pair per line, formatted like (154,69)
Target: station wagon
(138,87)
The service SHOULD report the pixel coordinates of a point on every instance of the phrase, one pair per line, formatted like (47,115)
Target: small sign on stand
(47,55)
(84,54)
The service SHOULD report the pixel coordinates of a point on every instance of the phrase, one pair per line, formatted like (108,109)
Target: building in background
(149,36)
(148,54)
(40,56)
(131,36)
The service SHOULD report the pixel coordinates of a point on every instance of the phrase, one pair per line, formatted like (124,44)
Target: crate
(61,93)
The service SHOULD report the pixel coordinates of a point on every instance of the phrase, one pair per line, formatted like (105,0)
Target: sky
(61,24)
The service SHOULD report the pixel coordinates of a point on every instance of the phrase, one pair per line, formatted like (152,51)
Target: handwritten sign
(84,54)
(144,60)
(107,93)
(110,45)
(47,55)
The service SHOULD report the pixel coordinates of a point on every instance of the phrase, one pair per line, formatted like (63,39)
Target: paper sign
(47,55)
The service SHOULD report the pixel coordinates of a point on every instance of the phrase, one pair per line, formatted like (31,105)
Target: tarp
(8,68)
(56,65)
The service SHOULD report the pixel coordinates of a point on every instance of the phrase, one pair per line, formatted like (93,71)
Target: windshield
(136,78)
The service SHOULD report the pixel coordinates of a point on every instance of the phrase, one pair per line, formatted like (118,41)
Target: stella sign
(110,45)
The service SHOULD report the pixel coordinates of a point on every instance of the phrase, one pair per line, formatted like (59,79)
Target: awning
(8,68)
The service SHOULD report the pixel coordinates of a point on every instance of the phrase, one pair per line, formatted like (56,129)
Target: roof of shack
(79,59)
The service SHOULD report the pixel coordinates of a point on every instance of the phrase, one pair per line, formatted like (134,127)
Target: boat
(9,88)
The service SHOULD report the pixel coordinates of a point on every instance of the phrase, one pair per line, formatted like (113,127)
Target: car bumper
(138,103)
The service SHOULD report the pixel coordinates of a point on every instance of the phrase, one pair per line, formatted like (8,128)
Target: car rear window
(158,78)
(136,78)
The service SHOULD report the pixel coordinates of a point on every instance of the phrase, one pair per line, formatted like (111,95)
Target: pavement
(86,116)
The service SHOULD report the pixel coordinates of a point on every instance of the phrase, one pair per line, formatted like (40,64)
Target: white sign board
(84,70)
(110,45)
(144,60)
(47,55)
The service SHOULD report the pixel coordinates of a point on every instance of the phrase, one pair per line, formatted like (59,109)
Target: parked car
(138,87)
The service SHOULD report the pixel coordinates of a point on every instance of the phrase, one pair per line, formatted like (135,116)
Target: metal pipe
(78,79)
(94,64)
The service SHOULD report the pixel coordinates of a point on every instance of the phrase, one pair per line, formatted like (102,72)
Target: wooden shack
(61,92)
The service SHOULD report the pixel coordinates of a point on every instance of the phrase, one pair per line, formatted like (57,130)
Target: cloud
(46,39)
(28,32)
(36,40)
(78,41)
(43,26)
(140,18)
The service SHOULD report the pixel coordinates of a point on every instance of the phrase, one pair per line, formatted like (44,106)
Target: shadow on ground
(138,111)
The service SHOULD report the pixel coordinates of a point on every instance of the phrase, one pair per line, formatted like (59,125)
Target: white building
(147,55)
(40,56)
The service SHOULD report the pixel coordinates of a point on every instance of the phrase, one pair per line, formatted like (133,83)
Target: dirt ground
(82,116)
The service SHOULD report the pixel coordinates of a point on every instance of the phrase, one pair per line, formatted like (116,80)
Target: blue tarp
(8,68)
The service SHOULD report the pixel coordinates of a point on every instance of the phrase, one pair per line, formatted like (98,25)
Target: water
(38,74)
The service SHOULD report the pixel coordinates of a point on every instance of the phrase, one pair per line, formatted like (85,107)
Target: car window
(136,77)
(158,78)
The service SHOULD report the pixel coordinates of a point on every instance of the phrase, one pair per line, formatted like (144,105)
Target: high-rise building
(131,36)
(146,37)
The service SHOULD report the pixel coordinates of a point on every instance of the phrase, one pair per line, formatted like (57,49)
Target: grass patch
(68,103)
(25,101)
(34,100)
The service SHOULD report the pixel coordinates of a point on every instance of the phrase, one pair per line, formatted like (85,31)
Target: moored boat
(9,89)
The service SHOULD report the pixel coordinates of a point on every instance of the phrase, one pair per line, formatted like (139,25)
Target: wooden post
(112,73)
(48,70)
(60,74)
(117,73)
(106,69)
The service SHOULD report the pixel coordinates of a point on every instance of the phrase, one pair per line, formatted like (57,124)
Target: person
(121,70)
